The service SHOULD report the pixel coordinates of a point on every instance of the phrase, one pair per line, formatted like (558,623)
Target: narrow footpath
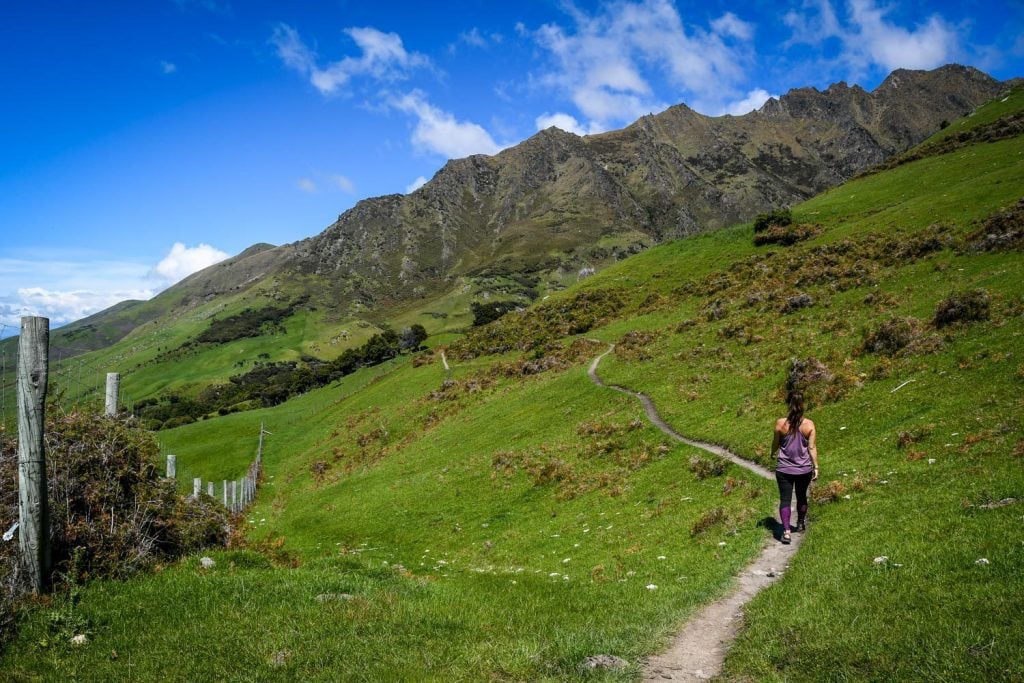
(698,650)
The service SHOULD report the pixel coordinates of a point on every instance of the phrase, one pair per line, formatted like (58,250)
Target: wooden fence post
(225,492)
(234,495)
(209,489)
(197,486)
(113,386)
(172,466)
(33,508)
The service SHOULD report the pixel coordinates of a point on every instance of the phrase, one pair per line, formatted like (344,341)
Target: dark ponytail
(796,410)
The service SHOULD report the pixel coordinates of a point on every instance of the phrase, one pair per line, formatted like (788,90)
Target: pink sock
(785,513)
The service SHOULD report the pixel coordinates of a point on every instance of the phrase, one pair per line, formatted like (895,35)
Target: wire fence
(78,384)
(235,494)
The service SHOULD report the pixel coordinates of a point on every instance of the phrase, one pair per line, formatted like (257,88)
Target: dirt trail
(697,652)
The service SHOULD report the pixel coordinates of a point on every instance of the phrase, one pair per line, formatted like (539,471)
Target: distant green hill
(512,519)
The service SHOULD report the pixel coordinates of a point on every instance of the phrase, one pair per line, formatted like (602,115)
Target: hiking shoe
(786,537)
(801,526)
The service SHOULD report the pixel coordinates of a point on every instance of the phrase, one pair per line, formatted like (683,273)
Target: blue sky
(144,140)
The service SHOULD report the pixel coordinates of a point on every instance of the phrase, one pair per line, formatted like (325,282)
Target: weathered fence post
(172,466)
(209,489)
(113,386)
(225,492)
(197,486)
(234,496)
(33,509)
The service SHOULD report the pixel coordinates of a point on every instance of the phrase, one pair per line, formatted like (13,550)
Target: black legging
(786,484)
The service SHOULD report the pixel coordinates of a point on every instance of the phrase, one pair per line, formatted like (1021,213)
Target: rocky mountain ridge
(556,196)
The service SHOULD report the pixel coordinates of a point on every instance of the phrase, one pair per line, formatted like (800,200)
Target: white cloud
(62,307)
(383,57)
(754,99)
(869,39)
(182,261)
(730,25)
(65,286)
(440,132)
(168,67)
(473,38)
(566,122)
(306,185)
(415,185)
(600,64)
(880,42)
(343,184)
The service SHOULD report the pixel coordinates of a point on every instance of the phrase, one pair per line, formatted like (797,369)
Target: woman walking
(795,445)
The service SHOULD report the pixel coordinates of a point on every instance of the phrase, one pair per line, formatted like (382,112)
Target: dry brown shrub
(707,520)
(1003,230)
(832,491)
(319,470)
(911,436)
(634,345)
(892,336)
(913,455)
(704,468)
(786,235)
(965,306)
(423,359)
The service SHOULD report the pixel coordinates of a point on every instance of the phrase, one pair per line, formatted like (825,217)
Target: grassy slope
(415,474)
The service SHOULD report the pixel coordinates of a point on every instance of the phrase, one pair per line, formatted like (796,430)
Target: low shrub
(1003,230)
(795,303)
(704,468)
(786,235)
(776,218)
(832,491)
(707,520)
(892,336)
(634,345)
(111,512)
(966,306)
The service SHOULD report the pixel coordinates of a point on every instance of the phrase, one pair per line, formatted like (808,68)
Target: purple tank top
(794,453)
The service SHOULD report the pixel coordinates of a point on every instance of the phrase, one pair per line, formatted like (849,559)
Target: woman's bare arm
(812,446)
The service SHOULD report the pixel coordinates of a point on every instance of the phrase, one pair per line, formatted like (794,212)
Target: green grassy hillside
(514,519)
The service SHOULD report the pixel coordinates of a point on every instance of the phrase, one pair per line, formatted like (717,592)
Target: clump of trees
(252,322)
(485,313)
(270,383)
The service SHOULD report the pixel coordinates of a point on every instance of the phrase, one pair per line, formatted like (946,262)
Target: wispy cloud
(306,185)
(476,38)
(869,39)
(383,57)
(168,67)
(415,185)
(343,184)
(439,132)
(601,63)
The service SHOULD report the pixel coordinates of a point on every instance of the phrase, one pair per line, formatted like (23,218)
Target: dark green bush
(485,313)
(778,217)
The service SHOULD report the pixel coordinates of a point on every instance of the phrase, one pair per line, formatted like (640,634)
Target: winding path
(697,652)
